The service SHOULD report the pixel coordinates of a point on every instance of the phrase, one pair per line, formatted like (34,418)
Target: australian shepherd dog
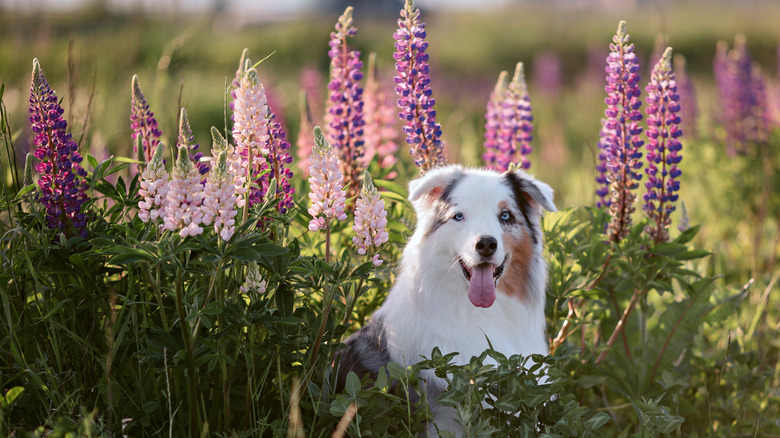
(472,276)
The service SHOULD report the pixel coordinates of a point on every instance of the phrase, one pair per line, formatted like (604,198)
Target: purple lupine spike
(142,122)
(187,138)
(663,148)
(742,93)
(516,130)
(493,122)
(413,87)
(622,140)
(602,184)
(345,102)
(277,163)
(380,131)
(687,91)
(62,179)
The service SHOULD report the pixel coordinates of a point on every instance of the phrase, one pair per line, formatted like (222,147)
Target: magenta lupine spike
(493,123)
(602,184)
(516,124)
(345,101)
(62,179)
(305,141)
(187,138)
(370,220)
(623,142)
(327,195)
(142,122)
(154,188)
(663,148)
(380,131)
(219,197)
(184,198)
(687,91)
(413,87)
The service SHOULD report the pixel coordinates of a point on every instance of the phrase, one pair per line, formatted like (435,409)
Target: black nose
(486,246)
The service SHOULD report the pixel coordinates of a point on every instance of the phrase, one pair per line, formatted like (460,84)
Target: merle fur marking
(366,352)
(443,204)
(519,186)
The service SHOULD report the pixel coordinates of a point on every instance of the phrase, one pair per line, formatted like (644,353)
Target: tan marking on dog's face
(520,249)
(503,205)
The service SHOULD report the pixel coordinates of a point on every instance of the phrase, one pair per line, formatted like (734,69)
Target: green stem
(194,425)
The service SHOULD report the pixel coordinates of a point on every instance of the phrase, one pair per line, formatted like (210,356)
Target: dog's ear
(532,191)
(434,184)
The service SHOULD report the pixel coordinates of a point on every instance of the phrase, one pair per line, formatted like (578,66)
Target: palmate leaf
(679,324)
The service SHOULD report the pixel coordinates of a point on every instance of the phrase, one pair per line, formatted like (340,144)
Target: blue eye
(505,216)
(458,217)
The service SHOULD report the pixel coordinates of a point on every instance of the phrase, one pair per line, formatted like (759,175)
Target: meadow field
(114,324)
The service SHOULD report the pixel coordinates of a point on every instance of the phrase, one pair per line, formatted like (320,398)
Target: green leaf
(352,386)
(129,256)
(11,396)
(597,420)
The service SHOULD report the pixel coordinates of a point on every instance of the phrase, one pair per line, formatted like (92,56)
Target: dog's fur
(471,223)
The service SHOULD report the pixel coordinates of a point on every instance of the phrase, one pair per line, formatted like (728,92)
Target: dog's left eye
(505,216)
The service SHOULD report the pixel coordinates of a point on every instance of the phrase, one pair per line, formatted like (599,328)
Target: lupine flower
(547,72)
(254,283)
(602,184)
(243,64)
(345,101)
(219,202)
(154,188)
(413,86)
(380,132)
(370,220)
(622,140)
(689,106)
(516,124)
(327,195)
(493,122)
(305,136)
(312,84)
(742,93)
(62,179)
(185,195)
(250,130)
(663,148)
(187,138)
(142,122)
(276,161)
(219,144)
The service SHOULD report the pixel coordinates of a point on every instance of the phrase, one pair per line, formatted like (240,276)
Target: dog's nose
(486,246)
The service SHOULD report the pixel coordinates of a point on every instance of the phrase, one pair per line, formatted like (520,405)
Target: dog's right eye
(458,217)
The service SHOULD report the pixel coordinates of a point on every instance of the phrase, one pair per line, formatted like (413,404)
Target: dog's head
(484,222)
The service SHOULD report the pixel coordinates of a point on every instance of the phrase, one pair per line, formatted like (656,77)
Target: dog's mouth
(482,279)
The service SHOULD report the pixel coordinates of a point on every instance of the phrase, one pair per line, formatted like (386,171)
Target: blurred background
(186,54)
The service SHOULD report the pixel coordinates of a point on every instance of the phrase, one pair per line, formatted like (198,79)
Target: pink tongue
(482,290)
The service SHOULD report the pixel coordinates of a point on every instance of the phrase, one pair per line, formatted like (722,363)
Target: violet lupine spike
(62,179)
(687,91)
(154,188)
(663,147)
(380,132)
(326,181)
(413,87)
(184,198)
(623,142)
(345,102)
(516,124)
(370,220)
(187,138)
(142,123)
(493,123)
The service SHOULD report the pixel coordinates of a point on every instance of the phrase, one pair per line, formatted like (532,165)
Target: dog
(471,276)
